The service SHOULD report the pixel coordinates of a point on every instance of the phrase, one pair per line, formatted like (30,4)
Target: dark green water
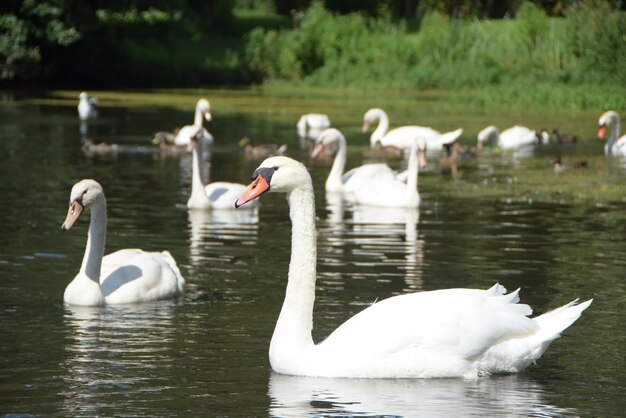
(206,354)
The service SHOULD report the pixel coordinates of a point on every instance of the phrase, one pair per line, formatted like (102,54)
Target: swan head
(371,116)
(328,138)
(276,174)
(607,120)
(83,95)
(486,134)
(204,108)
(83,195)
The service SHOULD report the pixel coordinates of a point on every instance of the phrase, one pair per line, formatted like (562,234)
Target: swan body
(441,333)
(614,146)
(203,111)
(216,195)
(337,181)
(125,276)
(511,138)
(87,107)
(393,192)
(403,137)
(311,125)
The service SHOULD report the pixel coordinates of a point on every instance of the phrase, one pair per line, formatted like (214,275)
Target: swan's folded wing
(455,322)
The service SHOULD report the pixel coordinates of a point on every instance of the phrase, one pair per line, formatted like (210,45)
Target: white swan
(87,107)
(311,125)
(125,276)
(392,192)
(337,181)
(216,195)
(511,138)
(452,332)
(613,146)
(203,111)
(404,136)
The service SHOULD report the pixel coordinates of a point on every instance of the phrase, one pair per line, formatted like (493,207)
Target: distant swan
(511,138)
(203,111)
(404,136)
(337,181)
(311,125)
(125,276)
(87,107)
(392,192)
(216,195)
(613,146)
(440,333)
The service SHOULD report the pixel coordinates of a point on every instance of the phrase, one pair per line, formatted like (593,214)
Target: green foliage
(589,46)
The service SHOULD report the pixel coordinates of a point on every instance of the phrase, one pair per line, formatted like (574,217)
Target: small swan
(404,136)
(258,152)
(392,192)
(441,333)
(614,146)
(87,107)
(125,276)
(216,195)
(337,181)
(511,138)
(311,125)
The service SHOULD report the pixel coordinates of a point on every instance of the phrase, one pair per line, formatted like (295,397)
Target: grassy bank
(578,61)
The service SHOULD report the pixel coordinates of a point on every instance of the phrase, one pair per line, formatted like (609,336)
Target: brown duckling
(559,166)
(387,150)
(560,138)
(259,152)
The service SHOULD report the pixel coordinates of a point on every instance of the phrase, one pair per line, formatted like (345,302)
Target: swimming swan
(392,192)
(613,146)
(216,195)
(87,107)
(441,333)
(203,111)
(311,125)
(511,138)
(337,181)
(125,276)
(404,136)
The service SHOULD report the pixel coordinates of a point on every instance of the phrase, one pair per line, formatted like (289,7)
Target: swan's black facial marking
(265,172)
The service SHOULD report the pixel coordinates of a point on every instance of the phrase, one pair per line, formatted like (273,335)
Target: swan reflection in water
(209,229)
(513,395)
(111,350)
(375,235)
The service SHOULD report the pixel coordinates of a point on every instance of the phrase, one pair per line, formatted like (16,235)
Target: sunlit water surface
(205,354)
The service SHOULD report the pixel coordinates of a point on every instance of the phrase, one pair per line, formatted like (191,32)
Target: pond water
(498,218)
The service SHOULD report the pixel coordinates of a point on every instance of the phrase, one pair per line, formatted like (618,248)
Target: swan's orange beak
(365,127)
(601,131)
(73,213)
(421,157)
(317,150)
(254,190)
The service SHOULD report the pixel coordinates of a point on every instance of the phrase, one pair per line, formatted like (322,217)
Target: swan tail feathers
(282,149)
(496,290)
(172,264)
(450,137)
(554,322)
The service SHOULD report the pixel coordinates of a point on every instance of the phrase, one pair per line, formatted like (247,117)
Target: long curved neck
(333,182)
(96,237)
(198,118)
(198,198)
(293,328)
(413,173)
(615,130)
(381,129)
